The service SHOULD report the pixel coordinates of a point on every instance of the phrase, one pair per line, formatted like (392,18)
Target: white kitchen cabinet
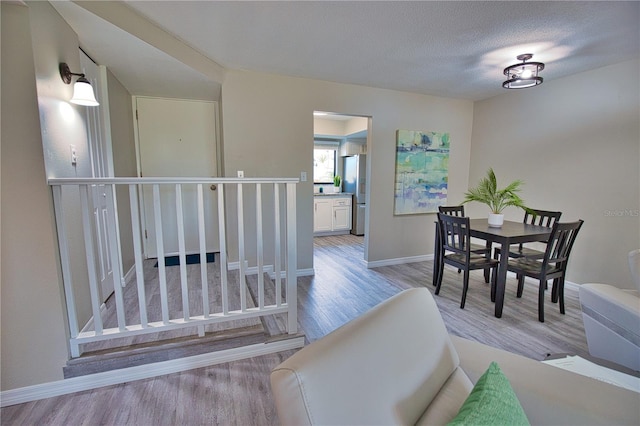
(355,147)
(322,214)
(331,214)
(341,214)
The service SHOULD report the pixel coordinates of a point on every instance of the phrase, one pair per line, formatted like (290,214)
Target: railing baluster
(203,254)
(112,239)
(241,254)
(223,251)
(91,261)
(277,245)
(162,273)
(182,253)
(259,242)
(292,261)
(137,253)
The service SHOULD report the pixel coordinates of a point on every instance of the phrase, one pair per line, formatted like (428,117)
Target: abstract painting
(422,171)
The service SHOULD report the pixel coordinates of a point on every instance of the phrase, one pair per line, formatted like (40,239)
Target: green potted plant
(337,180)
(487,192)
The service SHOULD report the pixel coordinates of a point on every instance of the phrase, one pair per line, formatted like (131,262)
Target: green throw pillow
(491,402)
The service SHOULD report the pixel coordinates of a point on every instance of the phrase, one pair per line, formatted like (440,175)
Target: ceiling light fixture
(523,75)
(82,90)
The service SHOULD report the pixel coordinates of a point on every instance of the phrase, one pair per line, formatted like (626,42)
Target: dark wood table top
(513,232)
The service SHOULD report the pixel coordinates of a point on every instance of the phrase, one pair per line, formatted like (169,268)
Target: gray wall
(33,93)
(268,131)
(124,159)
(575,142)
(32,324)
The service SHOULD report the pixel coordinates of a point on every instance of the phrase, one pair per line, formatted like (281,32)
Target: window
(324,164)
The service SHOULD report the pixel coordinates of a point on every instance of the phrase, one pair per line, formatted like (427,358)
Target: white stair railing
(72,198)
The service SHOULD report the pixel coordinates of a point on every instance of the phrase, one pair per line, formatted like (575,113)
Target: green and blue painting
(422,171)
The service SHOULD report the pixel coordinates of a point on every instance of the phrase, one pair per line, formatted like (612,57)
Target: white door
(99,137)
(177,138)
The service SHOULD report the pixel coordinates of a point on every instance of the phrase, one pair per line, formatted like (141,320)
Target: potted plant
(337,180)
(487,192)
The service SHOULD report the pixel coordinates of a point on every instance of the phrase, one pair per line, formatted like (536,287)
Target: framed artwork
(422,171)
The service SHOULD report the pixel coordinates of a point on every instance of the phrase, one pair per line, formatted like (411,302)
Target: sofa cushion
(491,402)
(550,395)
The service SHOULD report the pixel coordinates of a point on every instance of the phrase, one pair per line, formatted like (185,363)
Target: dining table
(509,233)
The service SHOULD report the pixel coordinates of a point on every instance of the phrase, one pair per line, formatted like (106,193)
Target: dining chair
(533,217)
(475,248)
(454,238)
(552,265)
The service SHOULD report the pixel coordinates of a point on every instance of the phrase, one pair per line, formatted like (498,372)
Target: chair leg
(439,279)
(561,294)
(520,285)
(487,277)
(541,301)
(554,290)
(465,287)
(437,266)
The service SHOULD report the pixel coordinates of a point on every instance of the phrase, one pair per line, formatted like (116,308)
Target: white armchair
(612,319)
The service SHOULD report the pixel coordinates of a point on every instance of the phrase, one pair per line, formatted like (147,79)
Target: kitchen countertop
(332,194)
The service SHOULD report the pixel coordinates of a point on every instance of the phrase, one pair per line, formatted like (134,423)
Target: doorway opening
(341,170)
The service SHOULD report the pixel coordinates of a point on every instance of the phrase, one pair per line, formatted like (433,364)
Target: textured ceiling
(452,49)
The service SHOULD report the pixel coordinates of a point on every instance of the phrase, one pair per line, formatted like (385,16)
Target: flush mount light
(82,90)
(523,75)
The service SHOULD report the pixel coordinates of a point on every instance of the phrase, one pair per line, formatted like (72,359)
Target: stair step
(134,355)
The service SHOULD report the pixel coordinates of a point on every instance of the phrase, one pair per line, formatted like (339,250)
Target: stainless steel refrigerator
(355,181)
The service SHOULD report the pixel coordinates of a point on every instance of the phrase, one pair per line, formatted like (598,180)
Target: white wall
(33,323)
(34,345)
(124,159)
(324,126)
(575,142)
(268,131)
(62,124)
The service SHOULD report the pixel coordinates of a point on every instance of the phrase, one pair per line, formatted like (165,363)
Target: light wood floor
(238,393)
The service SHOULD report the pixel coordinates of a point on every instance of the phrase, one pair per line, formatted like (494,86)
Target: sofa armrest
(550,395)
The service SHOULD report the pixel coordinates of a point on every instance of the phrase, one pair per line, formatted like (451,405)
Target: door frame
(368,174)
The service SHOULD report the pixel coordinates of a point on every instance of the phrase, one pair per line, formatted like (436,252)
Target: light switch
(240,173)
(74,155)
(303,176)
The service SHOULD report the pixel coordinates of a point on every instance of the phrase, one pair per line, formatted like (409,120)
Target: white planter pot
(496,220)
(336,189)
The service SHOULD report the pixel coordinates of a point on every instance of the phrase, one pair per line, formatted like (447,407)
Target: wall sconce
(82,90)
(520,76)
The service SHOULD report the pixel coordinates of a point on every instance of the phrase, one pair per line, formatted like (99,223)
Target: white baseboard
(93,381)
(129,275)
(399,261)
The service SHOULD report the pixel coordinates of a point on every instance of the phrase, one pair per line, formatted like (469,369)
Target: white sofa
(396,364)
(612,319)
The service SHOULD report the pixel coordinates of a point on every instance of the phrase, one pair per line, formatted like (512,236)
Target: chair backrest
(541,217)
(560,243)
(452,210)
(454,233)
